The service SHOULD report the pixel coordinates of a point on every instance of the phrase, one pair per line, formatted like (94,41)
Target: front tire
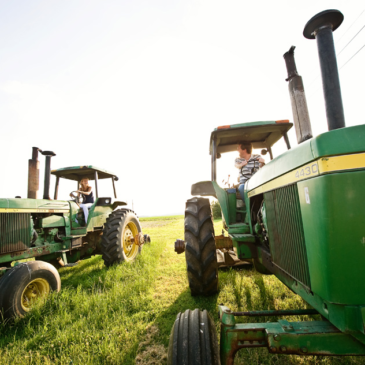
(200,252)
(193,340)
(117,243)
(24,284)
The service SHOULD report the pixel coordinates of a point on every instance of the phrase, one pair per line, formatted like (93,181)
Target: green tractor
(55,234)
(301,220)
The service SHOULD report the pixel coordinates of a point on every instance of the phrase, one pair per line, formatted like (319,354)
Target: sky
(136,87)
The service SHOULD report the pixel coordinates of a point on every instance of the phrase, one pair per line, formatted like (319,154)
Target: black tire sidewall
(15,280)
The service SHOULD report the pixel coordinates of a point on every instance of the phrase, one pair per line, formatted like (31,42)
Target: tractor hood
(338,142)
(33,206)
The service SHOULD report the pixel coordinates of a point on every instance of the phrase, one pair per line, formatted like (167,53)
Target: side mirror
(219,155)
(264,152)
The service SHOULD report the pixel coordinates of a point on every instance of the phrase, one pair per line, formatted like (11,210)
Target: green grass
(124,314)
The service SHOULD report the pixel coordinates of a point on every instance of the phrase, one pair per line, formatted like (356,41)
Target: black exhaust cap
(321,27)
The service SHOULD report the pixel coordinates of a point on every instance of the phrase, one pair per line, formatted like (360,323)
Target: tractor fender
(118,204)
(203,188)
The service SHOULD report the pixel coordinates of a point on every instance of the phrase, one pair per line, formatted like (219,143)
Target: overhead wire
(352,57)
(350,26)
(351,40)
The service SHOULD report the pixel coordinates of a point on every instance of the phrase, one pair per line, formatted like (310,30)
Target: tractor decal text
(324,165)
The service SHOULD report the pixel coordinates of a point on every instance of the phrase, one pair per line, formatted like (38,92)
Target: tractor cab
(101,206)
(262,135)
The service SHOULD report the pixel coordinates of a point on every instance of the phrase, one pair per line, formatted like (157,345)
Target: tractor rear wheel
(118,241)
(24,284)
(193,340)
(200,252)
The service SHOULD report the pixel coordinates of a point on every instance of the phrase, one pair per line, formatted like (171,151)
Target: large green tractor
(302,220)
(55,234)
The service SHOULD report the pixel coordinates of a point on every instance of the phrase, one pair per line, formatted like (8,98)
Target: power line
(351,40)
(350,26)
(352,57)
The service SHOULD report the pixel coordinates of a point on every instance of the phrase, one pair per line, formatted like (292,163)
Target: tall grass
(124,314)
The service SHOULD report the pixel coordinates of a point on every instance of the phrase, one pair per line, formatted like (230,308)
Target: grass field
(124,314)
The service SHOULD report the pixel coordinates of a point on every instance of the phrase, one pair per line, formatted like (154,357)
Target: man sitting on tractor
(247,163)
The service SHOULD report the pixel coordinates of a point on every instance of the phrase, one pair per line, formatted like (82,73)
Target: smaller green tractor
(55,234)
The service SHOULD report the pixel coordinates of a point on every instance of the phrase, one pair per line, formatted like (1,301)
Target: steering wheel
(79,198)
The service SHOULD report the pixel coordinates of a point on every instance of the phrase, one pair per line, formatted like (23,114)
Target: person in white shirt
(247,163)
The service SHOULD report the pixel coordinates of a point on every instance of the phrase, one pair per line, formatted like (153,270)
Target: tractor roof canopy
(260,134)
(80,172)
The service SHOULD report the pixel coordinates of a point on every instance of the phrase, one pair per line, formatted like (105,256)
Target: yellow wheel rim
(129,247)
(36,289)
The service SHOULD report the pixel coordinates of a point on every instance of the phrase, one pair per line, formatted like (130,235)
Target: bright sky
(136,87)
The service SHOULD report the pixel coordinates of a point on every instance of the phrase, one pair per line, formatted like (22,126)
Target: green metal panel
(283,337)
(243,228)
(222,197)
(15,232)
(39,205)
(98,216)
(52,221)
(35,251)
(232,203)
(240,246)
(333,211)
(286,234)
(340,141)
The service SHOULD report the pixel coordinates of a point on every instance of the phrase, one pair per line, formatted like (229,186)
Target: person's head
(242,146)
(84,182)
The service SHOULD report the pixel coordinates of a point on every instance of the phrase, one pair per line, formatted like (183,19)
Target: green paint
(302,338)
(52,221)
(333,221)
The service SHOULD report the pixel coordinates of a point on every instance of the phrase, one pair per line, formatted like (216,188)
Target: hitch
(283,337)
(141,238)
(180,246)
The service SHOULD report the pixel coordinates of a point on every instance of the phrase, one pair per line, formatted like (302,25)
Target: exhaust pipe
(298,100)
(33,174)
(321,27)
(47,174)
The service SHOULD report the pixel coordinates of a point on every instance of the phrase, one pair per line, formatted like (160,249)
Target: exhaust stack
(33,174)
(47,173)
(298,100)
(321,27)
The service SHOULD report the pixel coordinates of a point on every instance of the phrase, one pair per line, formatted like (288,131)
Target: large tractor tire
(24,284)
(117,244)
(193,340)
(200,252)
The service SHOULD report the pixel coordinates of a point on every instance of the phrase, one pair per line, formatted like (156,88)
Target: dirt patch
(152,224)
(150,353)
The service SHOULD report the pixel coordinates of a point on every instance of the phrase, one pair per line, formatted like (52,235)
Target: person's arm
(238,164)
(88,192)
(262,161)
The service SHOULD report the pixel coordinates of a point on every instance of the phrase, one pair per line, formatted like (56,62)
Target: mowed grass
(124,314)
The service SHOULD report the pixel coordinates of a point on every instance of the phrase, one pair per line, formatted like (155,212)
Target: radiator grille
(15,232)
(287,244)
